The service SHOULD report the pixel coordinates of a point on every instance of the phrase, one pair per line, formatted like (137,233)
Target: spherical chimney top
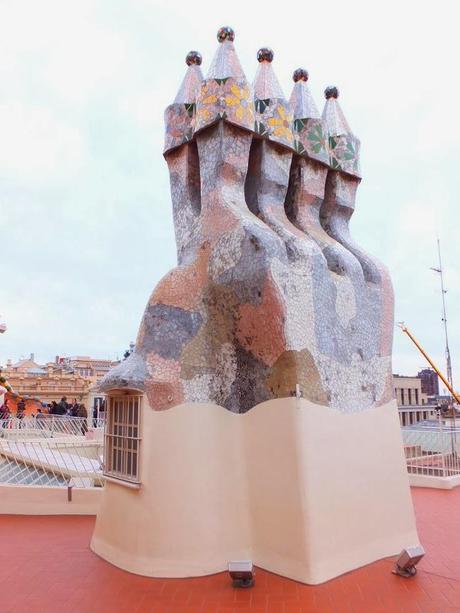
(193,57)
(300,75)
(225,33)
(331,92)
(265,54)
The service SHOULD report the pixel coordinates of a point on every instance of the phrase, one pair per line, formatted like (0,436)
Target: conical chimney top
(302,104)
(343,144)
(180,115)
(225,62)
(190,86)
(310,134)
(333,115)
(273,115)
(266,85)
(225,93)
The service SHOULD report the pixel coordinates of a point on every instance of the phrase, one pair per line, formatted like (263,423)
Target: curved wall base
(301,489)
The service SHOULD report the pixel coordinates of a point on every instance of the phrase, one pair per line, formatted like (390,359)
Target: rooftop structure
(262,192)
(430,381)
(266,347)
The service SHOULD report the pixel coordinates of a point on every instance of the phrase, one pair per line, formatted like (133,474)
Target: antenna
(440,271)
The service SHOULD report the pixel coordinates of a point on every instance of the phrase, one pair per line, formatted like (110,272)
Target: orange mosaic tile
(47,567)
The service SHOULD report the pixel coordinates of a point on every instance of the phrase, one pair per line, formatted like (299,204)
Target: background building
(430,381)
(48,382)
(92,369)
(74,377)
(413,403)
(408,390)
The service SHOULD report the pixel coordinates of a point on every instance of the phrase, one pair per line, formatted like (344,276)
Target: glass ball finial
(193,57)
(265,54)
(300,75)
(225,33)
(331,92)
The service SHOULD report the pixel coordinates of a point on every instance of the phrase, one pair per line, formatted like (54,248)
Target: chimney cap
(225,33)
(300,74)
(331,91)
(265,54)
(193,58)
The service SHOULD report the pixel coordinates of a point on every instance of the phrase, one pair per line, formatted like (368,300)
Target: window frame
(122,438)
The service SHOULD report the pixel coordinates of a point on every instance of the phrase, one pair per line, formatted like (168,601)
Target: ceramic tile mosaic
(270,290)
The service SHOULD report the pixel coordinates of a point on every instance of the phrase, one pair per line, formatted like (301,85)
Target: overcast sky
(85,212)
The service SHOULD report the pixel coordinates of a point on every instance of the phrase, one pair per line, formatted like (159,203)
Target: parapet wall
(41,500)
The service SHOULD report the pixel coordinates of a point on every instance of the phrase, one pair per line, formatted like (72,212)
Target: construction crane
(430,361)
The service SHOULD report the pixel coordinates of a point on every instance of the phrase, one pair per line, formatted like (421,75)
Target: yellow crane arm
(430,361)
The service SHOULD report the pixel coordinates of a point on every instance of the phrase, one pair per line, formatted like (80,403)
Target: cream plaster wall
(33,500)
(302,490)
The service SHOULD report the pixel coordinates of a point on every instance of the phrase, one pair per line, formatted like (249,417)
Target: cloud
(37,147)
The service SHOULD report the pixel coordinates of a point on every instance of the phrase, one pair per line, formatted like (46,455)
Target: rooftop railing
(51,450)
(432,449)
(50,426)
(51,462)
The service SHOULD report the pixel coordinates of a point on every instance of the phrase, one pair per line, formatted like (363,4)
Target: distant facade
(47,382)
(430,381)
(408,391)
(73,377)
(92,369)
(413,403)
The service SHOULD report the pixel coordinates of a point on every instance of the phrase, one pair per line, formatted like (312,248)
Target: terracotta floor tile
(64,576)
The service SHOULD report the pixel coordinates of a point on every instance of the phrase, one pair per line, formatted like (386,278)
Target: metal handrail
(49,426)
(432,451)
(51,462)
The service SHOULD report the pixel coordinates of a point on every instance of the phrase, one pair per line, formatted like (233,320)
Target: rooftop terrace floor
(47,566)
